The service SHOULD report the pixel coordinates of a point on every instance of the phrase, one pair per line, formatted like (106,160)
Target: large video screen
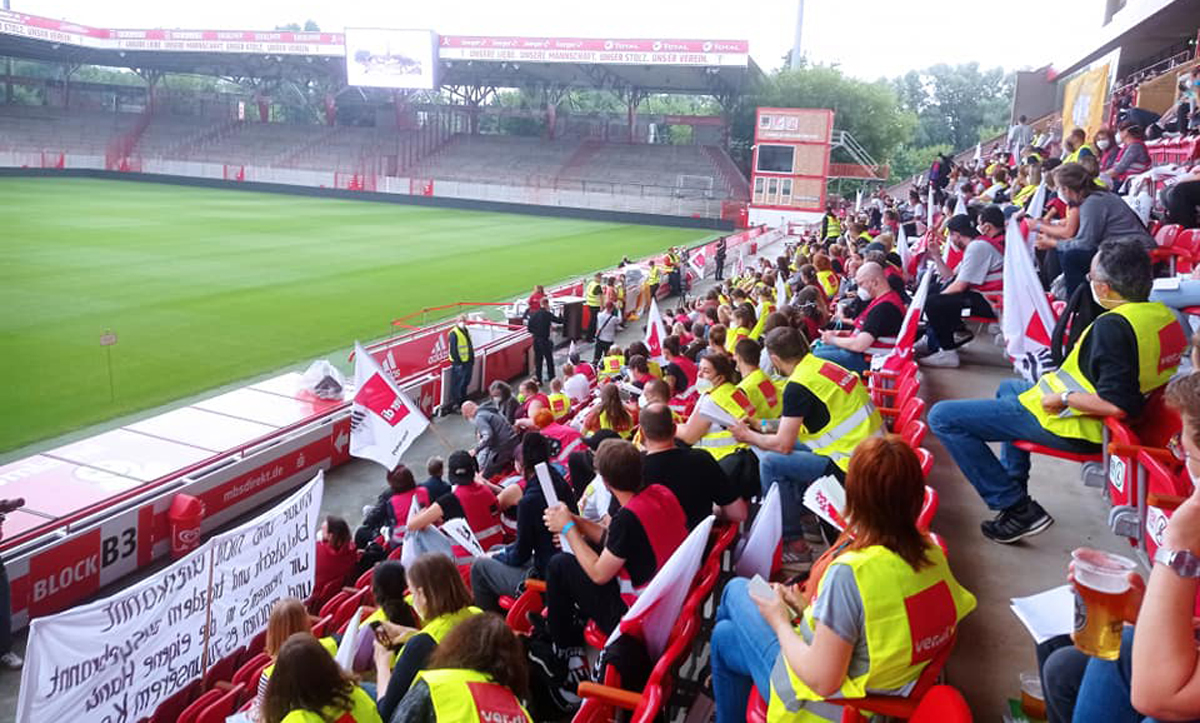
(776,159)
(382,58)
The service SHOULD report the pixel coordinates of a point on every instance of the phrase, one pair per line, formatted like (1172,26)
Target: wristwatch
(1063,397)
(1182,562)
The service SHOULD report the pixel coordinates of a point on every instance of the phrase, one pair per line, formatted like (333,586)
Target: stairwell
(580,158)
(735,183)
(288,157)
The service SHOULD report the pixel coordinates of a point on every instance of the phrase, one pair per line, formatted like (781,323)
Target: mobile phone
(760,589)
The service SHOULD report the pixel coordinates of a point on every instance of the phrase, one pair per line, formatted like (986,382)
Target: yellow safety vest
(833,227)
(764,309)
(852,416)
(1073,156)
(763,393)
(462,343)
(723,299)
(362,710)
(602,419)
(593,294)
(468,696)
(829,282)
(866,237)
(329,644)
(1020,197)
(908,615)
(441,626)
(610,366)
(652,277)
(719,442)
(560,404)
(1160,345)
(735,335)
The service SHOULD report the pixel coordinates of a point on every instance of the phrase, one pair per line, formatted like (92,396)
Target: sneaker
(11,660)
(921,347)
(963,337)
(946,359)
(1021,520)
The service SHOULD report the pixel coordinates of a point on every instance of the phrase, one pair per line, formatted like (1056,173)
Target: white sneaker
(921,347)
(11,660)
(947,358)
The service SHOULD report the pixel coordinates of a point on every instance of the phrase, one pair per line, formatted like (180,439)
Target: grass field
(205,287)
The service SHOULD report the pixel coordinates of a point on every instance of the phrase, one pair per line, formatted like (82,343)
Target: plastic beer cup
(1101,592)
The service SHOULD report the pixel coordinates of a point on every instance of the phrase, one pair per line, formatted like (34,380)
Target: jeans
(966,426)
(601,349)
(5,612)
(793,473)
(744,650)
(854,361)
(675,278)
(944,312)
(543,350)
(491,578)
(1075,264)
(460,381)
(1082,688)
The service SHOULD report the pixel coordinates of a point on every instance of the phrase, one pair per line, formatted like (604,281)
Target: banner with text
(116,659)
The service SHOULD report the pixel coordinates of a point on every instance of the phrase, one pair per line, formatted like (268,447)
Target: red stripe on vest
(495,703)
(479,506)
(839,376)
(739,398)
(767,387)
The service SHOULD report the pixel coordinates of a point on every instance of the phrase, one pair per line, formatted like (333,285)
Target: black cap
(962,224)
(992,214)
(461,467)
(600,435)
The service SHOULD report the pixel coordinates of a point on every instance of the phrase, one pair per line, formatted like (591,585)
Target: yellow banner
(1084,98)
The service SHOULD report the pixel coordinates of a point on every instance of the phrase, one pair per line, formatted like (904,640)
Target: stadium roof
(705,67)
(1142,31)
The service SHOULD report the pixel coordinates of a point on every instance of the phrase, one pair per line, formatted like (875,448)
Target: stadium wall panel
(469,204)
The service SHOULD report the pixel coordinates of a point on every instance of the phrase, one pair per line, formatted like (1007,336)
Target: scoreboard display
(791,158)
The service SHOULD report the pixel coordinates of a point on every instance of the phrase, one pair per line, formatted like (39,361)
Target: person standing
(462,362)
(593,298)
(8,659)
(720,260)
(831,225)
(1020,134)
(652,279)
(675,277)
(606,332)
(543,348)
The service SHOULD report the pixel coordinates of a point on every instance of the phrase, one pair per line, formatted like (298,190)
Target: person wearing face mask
(1077,146)
(876,327)
(1124,355)
(761,390)
(980,271)
(1133,158)
(826,412)
(1102,215)
(462,362)
(708,428)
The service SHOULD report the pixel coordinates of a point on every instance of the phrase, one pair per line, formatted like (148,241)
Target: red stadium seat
(251,671)
(914,433)
(928,509)
(926,458)
(942,704)
(908,390)
(364,580)
(222,669)
(1167,250)
(222,706)
(1058,453)
(170,710)
(331,605)
(912,411)
(191,712)
(322,626)
(345,611)
(1188,243)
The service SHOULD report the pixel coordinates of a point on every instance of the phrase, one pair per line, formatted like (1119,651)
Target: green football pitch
(204,287)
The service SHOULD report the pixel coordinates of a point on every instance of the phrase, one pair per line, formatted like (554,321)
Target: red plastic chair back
(346,609)
(251,670)
(331,605)
(1188,244)
(926,459)
(1167,235)
(221,669)
(912,411)
(192,712)
(942,704)
(914,433)
(928,509)
(170,710)
(257,643)
(223,707)
(364,580)
(322,626)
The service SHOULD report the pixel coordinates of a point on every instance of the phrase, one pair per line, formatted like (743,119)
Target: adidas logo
(440,351)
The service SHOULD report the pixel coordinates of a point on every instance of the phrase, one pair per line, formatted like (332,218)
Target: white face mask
(864,294)
(642,403)
(1102,144)
(704,385)
(1106,303)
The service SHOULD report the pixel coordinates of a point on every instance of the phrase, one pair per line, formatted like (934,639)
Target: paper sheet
(1048,613)
(543,475)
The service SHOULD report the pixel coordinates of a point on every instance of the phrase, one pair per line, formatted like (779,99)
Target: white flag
(756,551)
(383,420)
(655,333)
(827,498)
(858,200)
(903,351)
(696,261)
(929,208)
(1036,206)
(1027,320)
(902,248)
(978,153)
(781,290)
(960,207)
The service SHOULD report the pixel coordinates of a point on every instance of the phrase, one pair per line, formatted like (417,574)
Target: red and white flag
(902,248)
(696,261)
(383,420)
(1027,320)
(655,333)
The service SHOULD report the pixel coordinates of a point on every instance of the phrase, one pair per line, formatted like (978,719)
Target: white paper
(827,498)
(345,651)
(713,412)
(543,475)
(761,589)
(459,531)
(1047,614)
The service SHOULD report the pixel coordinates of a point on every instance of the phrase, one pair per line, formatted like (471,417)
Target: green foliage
(871,112)
(954,104)
(908,160)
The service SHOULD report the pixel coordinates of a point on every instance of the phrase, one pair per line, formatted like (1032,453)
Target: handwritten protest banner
(114,660)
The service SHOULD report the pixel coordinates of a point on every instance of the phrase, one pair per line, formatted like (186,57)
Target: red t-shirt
(333,564)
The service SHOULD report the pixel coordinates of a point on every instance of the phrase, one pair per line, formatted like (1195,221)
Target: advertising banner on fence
(116,659)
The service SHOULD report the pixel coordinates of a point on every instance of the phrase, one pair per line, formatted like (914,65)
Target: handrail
(400,321)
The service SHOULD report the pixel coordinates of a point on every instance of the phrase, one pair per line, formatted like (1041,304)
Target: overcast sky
(868,38)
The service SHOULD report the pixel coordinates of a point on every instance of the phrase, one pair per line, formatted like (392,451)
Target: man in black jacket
(543,349)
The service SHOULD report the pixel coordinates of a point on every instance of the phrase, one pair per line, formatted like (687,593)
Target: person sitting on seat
(308,686)
(708,428)
(827,412)
(611,413)
(887,590)
(288,617)
(392,508)
(503,572)
(875,329)
(980,270)
(600,586)
(760,389)
(471,499)
(1127,352)
(694,476)
(575,385)
(336,556)
(478,673)
(441,599)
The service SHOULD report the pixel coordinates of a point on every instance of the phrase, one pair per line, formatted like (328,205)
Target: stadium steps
(578,160)
(735,183)
(289,157)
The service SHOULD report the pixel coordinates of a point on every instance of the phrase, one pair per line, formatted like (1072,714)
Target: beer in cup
(1101,593)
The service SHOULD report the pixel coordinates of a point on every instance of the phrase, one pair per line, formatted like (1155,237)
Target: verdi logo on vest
(931,620)
(1171,344)
(838,376)
(495,704)
(377,395)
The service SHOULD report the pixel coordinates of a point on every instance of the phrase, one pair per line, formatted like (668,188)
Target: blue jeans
(966,426)
(460,381)
(793,473)
(854,361)
(744,649)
